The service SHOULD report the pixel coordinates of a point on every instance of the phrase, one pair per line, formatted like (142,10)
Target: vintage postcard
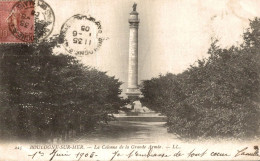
(129,80)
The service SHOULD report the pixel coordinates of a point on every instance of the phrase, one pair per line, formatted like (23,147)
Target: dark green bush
(218,97)
(47,96)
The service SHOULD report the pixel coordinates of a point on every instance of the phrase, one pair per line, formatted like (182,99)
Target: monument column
(133,91)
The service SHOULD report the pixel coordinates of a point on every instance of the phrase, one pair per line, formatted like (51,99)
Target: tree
(219,97)
(46,96)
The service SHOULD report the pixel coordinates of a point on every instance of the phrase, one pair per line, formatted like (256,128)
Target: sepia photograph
(129,80)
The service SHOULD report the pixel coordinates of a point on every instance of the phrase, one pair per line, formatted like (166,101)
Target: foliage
(218,97)
(47,96)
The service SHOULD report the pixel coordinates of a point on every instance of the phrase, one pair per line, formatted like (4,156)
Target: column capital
(133,18)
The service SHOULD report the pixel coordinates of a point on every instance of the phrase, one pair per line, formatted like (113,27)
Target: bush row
(217,97)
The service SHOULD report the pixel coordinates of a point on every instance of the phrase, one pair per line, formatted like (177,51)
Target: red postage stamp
(17,21)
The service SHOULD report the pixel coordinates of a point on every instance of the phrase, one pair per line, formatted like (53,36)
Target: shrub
(218,97)
(47,96)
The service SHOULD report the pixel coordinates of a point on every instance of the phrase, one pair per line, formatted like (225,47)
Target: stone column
(132,89)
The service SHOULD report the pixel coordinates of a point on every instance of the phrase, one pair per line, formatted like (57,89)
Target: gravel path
(129,132)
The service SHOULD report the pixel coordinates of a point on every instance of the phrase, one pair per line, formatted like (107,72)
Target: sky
(173,34)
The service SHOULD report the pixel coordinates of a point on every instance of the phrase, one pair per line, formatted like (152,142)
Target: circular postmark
(44,20)
(21,20)
(81,35)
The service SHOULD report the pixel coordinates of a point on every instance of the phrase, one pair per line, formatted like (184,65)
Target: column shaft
(133,58)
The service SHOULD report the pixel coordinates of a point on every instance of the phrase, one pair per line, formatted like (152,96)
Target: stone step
(142,118)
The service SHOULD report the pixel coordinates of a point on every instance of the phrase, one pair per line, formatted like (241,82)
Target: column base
(133,94)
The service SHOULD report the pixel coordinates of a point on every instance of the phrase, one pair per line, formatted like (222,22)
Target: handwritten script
(136,151)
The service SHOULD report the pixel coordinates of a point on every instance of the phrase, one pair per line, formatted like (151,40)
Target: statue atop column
(134,6)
